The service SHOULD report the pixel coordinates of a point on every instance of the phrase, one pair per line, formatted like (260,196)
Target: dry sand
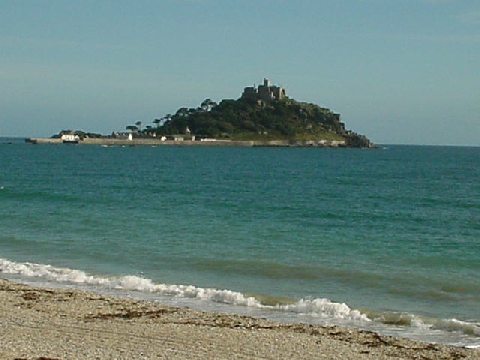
(38,323)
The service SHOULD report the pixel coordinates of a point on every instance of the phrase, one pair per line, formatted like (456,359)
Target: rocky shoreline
(41,323)
(158,142)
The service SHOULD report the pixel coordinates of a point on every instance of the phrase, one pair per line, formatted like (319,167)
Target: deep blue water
(383,239)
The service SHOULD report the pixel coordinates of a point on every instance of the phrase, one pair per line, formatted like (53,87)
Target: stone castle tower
(264,92)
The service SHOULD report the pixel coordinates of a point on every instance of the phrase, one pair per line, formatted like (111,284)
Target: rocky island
(263,116)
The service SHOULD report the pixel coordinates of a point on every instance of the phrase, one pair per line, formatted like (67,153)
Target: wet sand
(41,323)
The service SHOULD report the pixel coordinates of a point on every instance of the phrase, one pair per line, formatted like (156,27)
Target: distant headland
(263,116)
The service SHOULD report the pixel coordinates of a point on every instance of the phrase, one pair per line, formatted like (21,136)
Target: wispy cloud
(472,17)
(453,38)
(33,42)
(438,1)
(448,38)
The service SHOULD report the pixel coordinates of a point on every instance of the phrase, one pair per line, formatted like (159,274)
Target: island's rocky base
(157,142)
(38,323)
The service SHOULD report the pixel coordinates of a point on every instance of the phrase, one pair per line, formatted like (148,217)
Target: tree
(132,128)
(139,125)
(207,105)
(157,122)
(183,112)
(249,119)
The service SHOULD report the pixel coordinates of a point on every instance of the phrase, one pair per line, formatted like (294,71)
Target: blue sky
(398,71)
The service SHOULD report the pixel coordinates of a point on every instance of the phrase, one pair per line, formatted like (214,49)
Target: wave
(19,193)
(323,309)
(465,327)
(402,319)
(317,307)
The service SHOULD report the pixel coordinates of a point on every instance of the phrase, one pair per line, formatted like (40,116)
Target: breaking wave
(317,307)
(323,309)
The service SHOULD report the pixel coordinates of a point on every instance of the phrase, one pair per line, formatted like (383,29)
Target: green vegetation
(251,119)
(246,119)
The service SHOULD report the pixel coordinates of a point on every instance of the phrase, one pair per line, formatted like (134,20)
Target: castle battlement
(264,92)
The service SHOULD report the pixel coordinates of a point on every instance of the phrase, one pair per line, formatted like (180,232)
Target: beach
(47,323)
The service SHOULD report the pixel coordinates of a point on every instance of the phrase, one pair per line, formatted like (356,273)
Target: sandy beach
(38,323)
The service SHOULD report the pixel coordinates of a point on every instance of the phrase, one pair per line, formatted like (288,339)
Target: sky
(398,71)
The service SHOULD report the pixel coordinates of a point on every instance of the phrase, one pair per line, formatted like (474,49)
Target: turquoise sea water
(385,239)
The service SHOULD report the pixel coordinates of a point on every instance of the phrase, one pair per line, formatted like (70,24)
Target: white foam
(185,291)
(323,308)
(49,273)
(468,328)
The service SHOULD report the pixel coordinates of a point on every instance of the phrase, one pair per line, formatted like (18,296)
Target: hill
(262,114)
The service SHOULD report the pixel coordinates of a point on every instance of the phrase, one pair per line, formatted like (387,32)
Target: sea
(384,239)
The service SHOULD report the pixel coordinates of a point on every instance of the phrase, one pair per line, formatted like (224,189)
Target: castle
(264,92)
